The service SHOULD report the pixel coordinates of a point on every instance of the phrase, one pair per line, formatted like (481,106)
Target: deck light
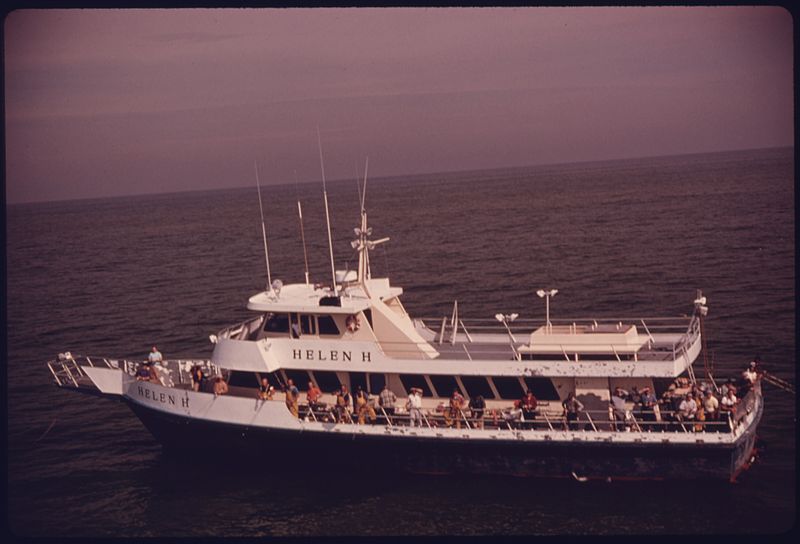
(546,294)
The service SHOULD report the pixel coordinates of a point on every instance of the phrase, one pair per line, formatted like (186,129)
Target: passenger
(414,407)
(371,415)
(361,405)
(687,410)
(456,408)
(292,398)
(143,372)
(711,406)
(649,405)
(728,402)
(386,400)
(265,390)
(617,407)
(750,374)
(312,397)
(154,356)
(198,378)
(572,408)
(154,377)
(343,405)
(528,405)
(220,387)
(476,407)
(514,416)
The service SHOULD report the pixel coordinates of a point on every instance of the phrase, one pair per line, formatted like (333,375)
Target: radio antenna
(263,231)
(302,232)
(327,213)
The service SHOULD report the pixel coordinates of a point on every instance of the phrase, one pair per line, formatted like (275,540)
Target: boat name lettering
(328,355)
(163,398)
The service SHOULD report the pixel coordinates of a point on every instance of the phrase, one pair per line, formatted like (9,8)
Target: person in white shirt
(414,406)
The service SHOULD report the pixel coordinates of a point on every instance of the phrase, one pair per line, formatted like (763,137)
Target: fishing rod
(327,213)
(263,231)
(302,232)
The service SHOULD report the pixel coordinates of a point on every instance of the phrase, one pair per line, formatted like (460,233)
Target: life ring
(353,323)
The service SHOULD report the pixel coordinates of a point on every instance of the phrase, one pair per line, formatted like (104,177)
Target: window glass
(356,379)
(376,382)
(543,388)
(444,385)
(307,324)
(327,381)
(276,323)
(243,379)
(327,325)
(508,387)
(477,385)
(415,380)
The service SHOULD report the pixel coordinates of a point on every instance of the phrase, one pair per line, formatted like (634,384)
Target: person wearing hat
(414,406)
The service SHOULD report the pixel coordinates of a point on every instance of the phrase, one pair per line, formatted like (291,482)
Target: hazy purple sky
(111,102)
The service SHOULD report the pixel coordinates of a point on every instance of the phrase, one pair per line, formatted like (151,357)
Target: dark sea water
(627,238)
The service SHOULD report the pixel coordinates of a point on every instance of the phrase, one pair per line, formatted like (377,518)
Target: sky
(103,103)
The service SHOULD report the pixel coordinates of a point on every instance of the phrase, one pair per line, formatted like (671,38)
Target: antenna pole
(327,213)
(263,230)
(302,232)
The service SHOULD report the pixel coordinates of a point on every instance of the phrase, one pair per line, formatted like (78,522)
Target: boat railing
(243,330)
(588,420)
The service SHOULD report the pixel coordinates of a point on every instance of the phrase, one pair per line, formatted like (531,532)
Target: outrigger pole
(327,213)
(302,232)
(263,230)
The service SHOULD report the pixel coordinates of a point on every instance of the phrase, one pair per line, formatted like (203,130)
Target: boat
(354,337)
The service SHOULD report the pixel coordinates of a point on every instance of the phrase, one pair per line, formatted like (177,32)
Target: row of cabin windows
(581,357)
(508,387)
(302,323)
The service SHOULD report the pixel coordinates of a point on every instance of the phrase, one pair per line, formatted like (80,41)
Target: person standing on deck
(154,356)
(292,398)
(572,408)
(387,399)
(414,405)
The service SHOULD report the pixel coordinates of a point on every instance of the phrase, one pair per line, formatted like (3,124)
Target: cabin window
(543,388)
(477,385)
(376,382)
(327,381)
(415,380)
(299,377)
(276,323)
(368,315)
(307,325)
(358,379)
(444,385)
(508,387)
(327,325)
(239,378)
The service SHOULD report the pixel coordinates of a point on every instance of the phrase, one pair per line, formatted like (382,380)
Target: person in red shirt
(528,405)
(312,396)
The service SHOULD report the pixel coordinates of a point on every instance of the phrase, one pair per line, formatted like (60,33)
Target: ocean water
(112,277)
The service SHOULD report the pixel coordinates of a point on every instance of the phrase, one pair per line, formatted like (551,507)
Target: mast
(362,243)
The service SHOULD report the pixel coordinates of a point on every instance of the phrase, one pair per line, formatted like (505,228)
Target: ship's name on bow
(162,398)
(328,355)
